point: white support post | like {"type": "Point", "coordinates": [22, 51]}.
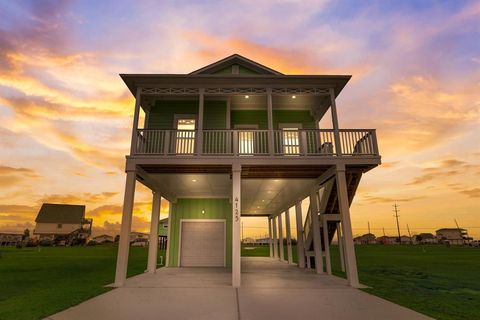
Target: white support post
{"type": "Point", "coordinates": [300, 244]}
{"type": "Point", "coordinates": [169, 230]}
{"type": "Point", "coordinates": [280, 238]}
{"type": "Point", "coordinates": [328, 262]}
{"type": "Point", "coordinates": [341, 252]}
{"type": "Point", "coordinates": [317, 241]}
{"type": "Point", "coordinates": [153, 241]}
{"type": "Point", "coordinates": [275, 239]}
{"type": "Point", "coordinates": [200, 121]}
{"type": "Point", "coordinates": [136, 114]}
{"type": "Point", "coordinates": [270, 121]}
{"type": "Point", "coordinates": [289, 237]}
{"type": "Point", "coordinates": [270, 244]}
{"type": "Point", "coordinates": [124, 241]}
{"type": "Point", "coordinates": [236, 214]}
{"type": "Point", "coordinates": [350, 259]}
{"type": "Point", "coordinates": [336, 132]}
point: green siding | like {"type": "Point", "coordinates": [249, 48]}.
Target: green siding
{"type": "Point", "coordinates": [224, 70]}
{"type": "Point", "coordinates": [242, 117]}
{"type": "Point", "coordinates": [259, 117]}
{"type": "Point", "coordinates": [192, 209]}
{"type": "Point", "coordinates": [293, 116]}
{"type": "Point", "coordinates": [215, 115]}
{"type": "Point", "coordinates": [245, 70]}
{"type": "Point", "coordinates": [162, 113]}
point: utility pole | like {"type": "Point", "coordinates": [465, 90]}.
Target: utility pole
{"type": "Point", "coordinates": [368, 226]}
{"type": "Point", "coordinates": [409, 234]}
{"type": "Point", "coordinates": [383, 231]}
{"type": "Point", "coordinates": [395, 209]}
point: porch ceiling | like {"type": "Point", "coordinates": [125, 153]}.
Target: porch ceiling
{"type": "Point", "coordinates": [259, 196]}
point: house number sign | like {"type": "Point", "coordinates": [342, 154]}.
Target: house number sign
{"type": "Point", "coordinates": [237, 218]}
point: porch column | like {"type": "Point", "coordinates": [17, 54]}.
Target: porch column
{"type": "Point", "coordinates": [336, 132]}
{"type": "Point", "coordinates": [153, 241]}
{"type": "Point", "coordinates": [124, 241]}
{"type": "Point", "coordinates": [326, 243]}
{"type": "Point", "coordinates": [280, 238]}
{"type": "Point", "coordinates": [275, 239]}
{"type": "Point", "coordinates": [136, 113]}
{"type": "Point", "coordinates": [317, 242]}
{"type": "Point", "coordinates": [270, 121]}
{"type": "Point", "coordinates": [300, 244]}
{"type": "Point", "coordinates": [340, 246]}
{"type": "Point", "coordinates": [236, 201]}
{"type": "Point", "coordinates": [200, 121]}
{"type": "Point", "coordinates": [344, 206]}
{"type": "Point", "coordinates": [169, 237]}
{"type": "Point", "coordinates": [289, 238]}
{"type": "Point", "coordinates": [270, 244]}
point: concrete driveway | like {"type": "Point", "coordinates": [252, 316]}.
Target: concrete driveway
{"type": "Point", "coordinates": [270, 290]}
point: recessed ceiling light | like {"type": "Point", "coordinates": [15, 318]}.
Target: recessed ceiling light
{"type": "Point", "coordinates": [246, 97]}
{"type": "Point", "coordinates": [263, 200]}
{"type": "Point", "coordinates": [258, 207]}
{"type": "Point", "coordinates": [293, 97]}
{"type": "Point", "coordinates": [194, 180]}
{"type": "Point", "coordinates": [276, 180]}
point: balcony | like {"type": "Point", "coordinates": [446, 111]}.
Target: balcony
{"type": "Point", "coordinates": [246, 142]}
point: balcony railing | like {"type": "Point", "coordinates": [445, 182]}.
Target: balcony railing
{"type": "Point", "coordinates": [246, 142]}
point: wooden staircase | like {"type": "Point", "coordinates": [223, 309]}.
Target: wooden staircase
{"type": "Point", "coordinates": [328, 209]}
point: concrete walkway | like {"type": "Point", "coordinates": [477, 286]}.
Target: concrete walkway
{"type": "Point", "coordinates": [270, 290]}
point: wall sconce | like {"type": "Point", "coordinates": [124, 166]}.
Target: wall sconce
{"type": "Point", "coordinates": [203, 211]}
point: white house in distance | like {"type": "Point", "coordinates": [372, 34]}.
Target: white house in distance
{"type": "Point", "coordinates": [236, 139]}
{"type": "Point", "coordinates": [457, 236]}
{"type": "Point", "coordinates": [62, 221]}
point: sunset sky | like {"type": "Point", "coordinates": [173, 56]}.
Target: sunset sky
{"type": "Point", "coordinates": [65, 114]}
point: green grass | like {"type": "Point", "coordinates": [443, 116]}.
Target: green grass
{"type": "Point", "coordinates": [441, 282]}
{"type": "Point", "coordinates": [435, 280]}
{"type": "Point", "coordinates": [36, 283]}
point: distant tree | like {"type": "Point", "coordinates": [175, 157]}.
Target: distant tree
{"type": "Point", "coordinates": [26, 234]}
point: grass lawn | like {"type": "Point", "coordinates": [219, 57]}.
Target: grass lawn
{"type": "Point", "coordinates": [441, 282]}
{"type": "Point", "coordinates": [36, 283]}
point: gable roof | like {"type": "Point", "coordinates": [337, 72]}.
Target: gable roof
{"type": "Point", "coordinates": [236, 59]}
{"type": "Point", "coordinates": [60, 213]}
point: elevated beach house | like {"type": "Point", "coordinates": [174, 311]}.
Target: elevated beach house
{"type": "Point", "coordinates": [236, 139]}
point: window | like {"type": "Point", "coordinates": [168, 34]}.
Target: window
{"type": "Point", "coordinates": [290, 138]}
{"type": "Point", "coordinates": [185, 136]}
{"type": "Point", "coordinates": [59, 226]}
{"type": "Point", "coordinates": [247, 137]}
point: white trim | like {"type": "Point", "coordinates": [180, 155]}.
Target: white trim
{"type": "Point", "coordinates": [188, 116]}
{"type": "Point", "coordinates": [203, 220]}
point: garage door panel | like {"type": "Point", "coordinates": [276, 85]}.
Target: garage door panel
{"type": "Point", "coordinates": [202, 244]}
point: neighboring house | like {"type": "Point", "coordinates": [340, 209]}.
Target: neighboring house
{"type": "Point", "coordinates": [104, 238]}
{"type": "Point", "coordinates": [425, 238]}
{"type": "Point", "coordinates": [236, 138]}
{"type": "Point", "coordinates": [387, 240]}
{"type": "Point", "coordinates": [163, 234]}
{"type": "Point", "coordinates": [248, 240]}
{"type": "Point", "coordinates": [63, 223]}
{"type": "Point", "coordinates": [405, 240]}
{"type": "Point", "coordinates": [138, 237]}
{"type": "Point", "coordinates": [368, 238]}
{"type": "Point", "coordinates": [456, 236]}
{"type": "Point", "coordinates": [263, 241]}
{"type": "Point", "coordinates": [10, 239]}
